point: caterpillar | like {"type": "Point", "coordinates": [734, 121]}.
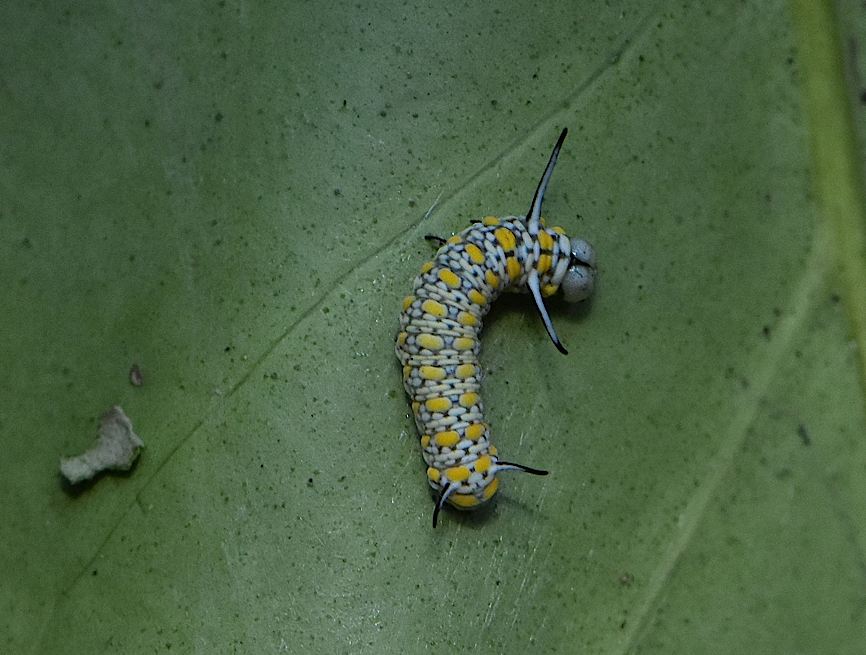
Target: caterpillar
{"type": "Point", "coordinates": [438, 342]}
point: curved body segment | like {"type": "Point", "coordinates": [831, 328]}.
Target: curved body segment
{"type": "Point", "coordinates": [438, 342]}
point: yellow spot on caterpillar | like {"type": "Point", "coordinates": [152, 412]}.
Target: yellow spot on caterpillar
{"type": "Point", "coordinates": [449, 277]}
{"type": "Point", "coordinates": [468, 399]}
{"type": "Point", "coordinates": [434, 308]}
{"type": "Point", "coordinates": [558, 230]}
{"type": "Point", "coordinates": [465, 318]}
{"type": "Point", "coordinates": [475, 431]}
{"type": "Point", "coordinates": [432, 372]}
{"type": "Point", "coordinates": [458, 473]}
{"type": "Point", "coordinates": [464, 343]}
{"type": "Point", "coordinates": [513, 267]}
{"type": "Point", "coordinates": [464, 501]}
{"type": "Point", "coordinates": [477, 297]}
{"type": "Point", "coordinates": [465, 371]}
{"type": "Point", "coordinates": [425, 441]}
{"type": "Point", "coordinates": [407, 371]}
{"type": "Point", "coordinates": [544, 263]}
{"type": "Point", "coordinates": [505, 237]}
{"type": "Point", "coordinates": [493, 450]}
{"type": "Point", "coordinates": [490, 220]}
{"type": "Point", "coordinates": [491, 278]}
{"type": "Point", "coordinates": [545, 240]}
{"type": "Point", "coordinates": [437, 404]}
{"type": "Point", "coordinates": [548, 290]}
{"type": "Point", "coordinates": [407, 302]}
{"type": "Point", "coordinates": [429, 341]}
{"type": "Point", "coordinates": [542, 220]}
{"type": "Point", "coordinates": [433, 474]}
{"type": "Point", "coordinates": [425, 267]}
{"type": "Point", "coordinates": [447, 439]}
{"type": "Point", "coordinates": [475, 253]}
{"type": "Point", "coordinates": [401, 338]}
{"type": "Point", "coordinates": [490, 489]}
{"type": "Point", "coordinates": [482, 464]}
{"type": "Point", "coordinates": [454, 240]}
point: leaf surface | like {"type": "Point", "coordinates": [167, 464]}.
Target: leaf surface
{"type": "Point", "coordinates": [234, 198]}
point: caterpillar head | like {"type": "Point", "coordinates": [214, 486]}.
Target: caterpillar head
{"type": "Point", "coordinates": [579, 281]}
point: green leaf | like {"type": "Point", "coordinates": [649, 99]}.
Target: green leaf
{"type": "Point", "coordinates": [233, 197]}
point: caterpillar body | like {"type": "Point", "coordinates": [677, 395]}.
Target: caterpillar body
{"type": "Point", "coordinates": [438, 342]}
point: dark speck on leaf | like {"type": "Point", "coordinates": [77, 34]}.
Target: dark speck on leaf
{"type": "Point", "coordinates": [218, 117]}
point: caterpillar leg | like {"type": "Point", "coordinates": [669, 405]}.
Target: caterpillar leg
{"type": "Point", "coordinates": [436, 239]}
